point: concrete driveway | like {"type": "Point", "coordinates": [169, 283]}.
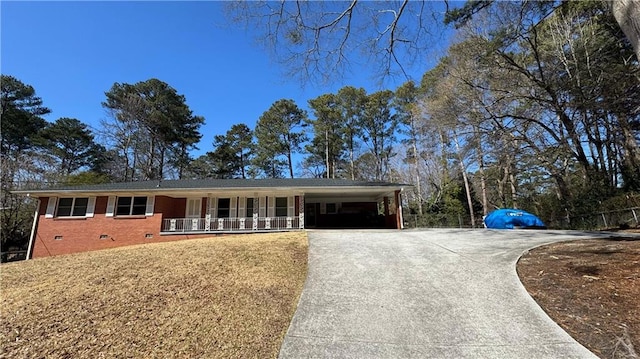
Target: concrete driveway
{"type": "Point", "coordinates": [423, 294]}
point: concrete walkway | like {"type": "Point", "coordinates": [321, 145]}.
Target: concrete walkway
{"type": "Point", "coordinates": [423, 294]}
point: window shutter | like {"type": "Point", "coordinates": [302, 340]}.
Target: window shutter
{"type": "Point", "coordinates": [242, 204]}
{"type": "Point", "coordinates": [214, 207]}
{"type": "Point", "coordinates": [292, 206]}
{"type": "Point", "coordinates": [262, 211]}
{"type": "Point", "coordinates": [233, 204]}
{"type": "Point", "coordinates": [91, 206]}
{"type": "Point", "coordinates": [111, 204]}
{"type": "Point", "coordinates": [272, 207]}
{"type": "Point", "coordinates": [150, 203]}
{"type": "Point", "coordinates": [51, 207]}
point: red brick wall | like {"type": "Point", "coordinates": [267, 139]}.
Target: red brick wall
{"type": "Point", "coordinates": [83, 234]}
{"type": "Point", "coordinates": [170, 207]}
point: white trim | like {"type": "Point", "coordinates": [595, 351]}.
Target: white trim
{"type": "Point", "coordinates": [242, 203]}
{"type": "Point", "coordinates": [213, 207]}
{"type": "Point", "coordinates": [291, 206]}
{"type": "Point", "coordinates": [150, 205]}
{"type": "Point", "coordinates": [34, 227]}
{"type": "Point", "coordinates": [233, 207]}
{"type": "Point", "coordinates": [262, 212]}
{"type": "Point", "coordinates": [111, 205]}
{"type": "Point", "coordinates": [271, 207]}
{"type": "Point", "coordinates": [400, 210]}
{"type": "Point", "coordinates": [91, 207]}
{"type": "Point", "coordinates": [51, 207]}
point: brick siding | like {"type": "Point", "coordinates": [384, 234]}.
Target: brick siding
{"type": "Point", "coordinates": [84, 234]}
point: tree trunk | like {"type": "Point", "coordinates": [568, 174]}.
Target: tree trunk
{"type": "Point", "coordinates": [627, 14]}
{"type": "Point", "coordinates": [326, 151]}
{"type": "Point", "coordinates": [467, 188]}
{"type": "Point", "coordinates": [160, 171]}
{"type": "Point", "coordinates": [351, 161]}
{"type": "Point", "coordinates": [631, 158]}
{"type": "Point", "coordinates": [514, 193]}
{"type": "Point", "coordinates": [483, 180]}
{"type": "Point", "coordinates": [418, 181]}
{"type": "Point", "coordinates": [242, 164]}
{"type": "Point", "coordinates": [150, 173]}
{"type": "Point", "coordinates": [290, 162]}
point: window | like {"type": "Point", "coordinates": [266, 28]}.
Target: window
{"type": "Point", "coordinates": [72, 207]}
{"type": "Point", "coordinates": [281, 206]}
{"type": "Point", "coordinates": [193, 207]}
{"type": "Point", "coordinates": [331, 208]}
{"type": "Point", "coordinates": [249, 207]}
{"type": "Point", "coordinates": [131, 206]}
{"type": "Point", "coordinates": [224, 205]}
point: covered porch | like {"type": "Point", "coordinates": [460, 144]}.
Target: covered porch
{"type": "Point", "coordinates": [241, 224]}
{"type": "Point", "coordinates": [279, 211]}
{"type": "Point", "coordinates": [233, 212]}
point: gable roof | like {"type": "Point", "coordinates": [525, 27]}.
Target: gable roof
{"type": "Point", "coordinates": [204, 185]}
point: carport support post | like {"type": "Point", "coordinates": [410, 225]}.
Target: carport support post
{"type": "Point", "coordinates": [399, 220]}
{"type": "Point", "coordinates": [34, 231]}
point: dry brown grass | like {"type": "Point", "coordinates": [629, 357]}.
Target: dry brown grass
{"type": "Point", "coordinates": [591, 288]}
{"type": "Point", "coordinates": [225, 297]}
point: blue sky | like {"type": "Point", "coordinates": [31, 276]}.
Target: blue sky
{"type": "Point", "coordinates": [72, 52]}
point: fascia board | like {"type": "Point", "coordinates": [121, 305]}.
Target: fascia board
{"type": "Point", "coordinates": [186, 192]}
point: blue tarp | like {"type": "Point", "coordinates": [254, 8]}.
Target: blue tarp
{"type": "Point", "coordinates": [509, 218]}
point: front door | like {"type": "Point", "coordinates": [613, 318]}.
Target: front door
{"type": "Point", "coordinates": [194, 206]}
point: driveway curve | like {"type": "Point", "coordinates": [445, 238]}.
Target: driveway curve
{"type": "Point", "coordinates": [438, 293]}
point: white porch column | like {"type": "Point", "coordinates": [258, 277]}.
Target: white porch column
{"type": "Point", "coordinates": [301, 211]}
{"type": "Point", "coordinates": [207, 216]}
{"type": "Point", "coordinates": [256, 208]}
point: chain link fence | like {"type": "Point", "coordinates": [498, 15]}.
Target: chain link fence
{"type": "Point", "coordinates": [622, 219]}
{"type": "Point", "coordinates": [617, 219]}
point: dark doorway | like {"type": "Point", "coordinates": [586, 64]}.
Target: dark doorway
{"type": "Point", "coordinates": [311, 214]}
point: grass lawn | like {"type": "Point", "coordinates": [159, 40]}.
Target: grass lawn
{"type": "Point", "coordinates": [224, 297]}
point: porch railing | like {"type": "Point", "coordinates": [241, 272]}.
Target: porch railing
{"type": "Point", "coordinates": [187, 225]}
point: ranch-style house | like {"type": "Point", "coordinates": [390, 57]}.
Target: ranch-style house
{"type": "Point", "coordinates": [83, 218]}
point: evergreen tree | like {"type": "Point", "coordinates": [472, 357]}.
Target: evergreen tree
{"type": "Point", "coordinates": [71, 143]}
{"type": "Point", "coordinates": [153, 128]}
{"type": "Point", "coordinates": [378, 126]}
{"type": "Point", "coordinates": [279, 135]}
{"type": "Point", "coordinates": [19, 128]}
{"type": "Point", "coordinates": [327, 144]}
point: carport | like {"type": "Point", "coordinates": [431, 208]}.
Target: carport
{"type": "Point", "coordinates": [373, 206]}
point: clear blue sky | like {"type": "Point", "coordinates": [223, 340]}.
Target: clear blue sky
{"type": "Point", "coordinates": [72, 52]}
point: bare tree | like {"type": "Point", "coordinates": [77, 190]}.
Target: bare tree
{"type": "Point", "coordinates": [317, 40]}
{"type": "Point", "coordinates": [322, 40]}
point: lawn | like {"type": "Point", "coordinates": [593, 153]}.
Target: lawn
{"type": "Point", "coordinates": [223, 297]}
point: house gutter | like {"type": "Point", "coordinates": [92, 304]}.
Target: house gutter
{"type": "Point", "coordinates": [195, 191]}
{"type": "Point", "coordinates": [32, 237]}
